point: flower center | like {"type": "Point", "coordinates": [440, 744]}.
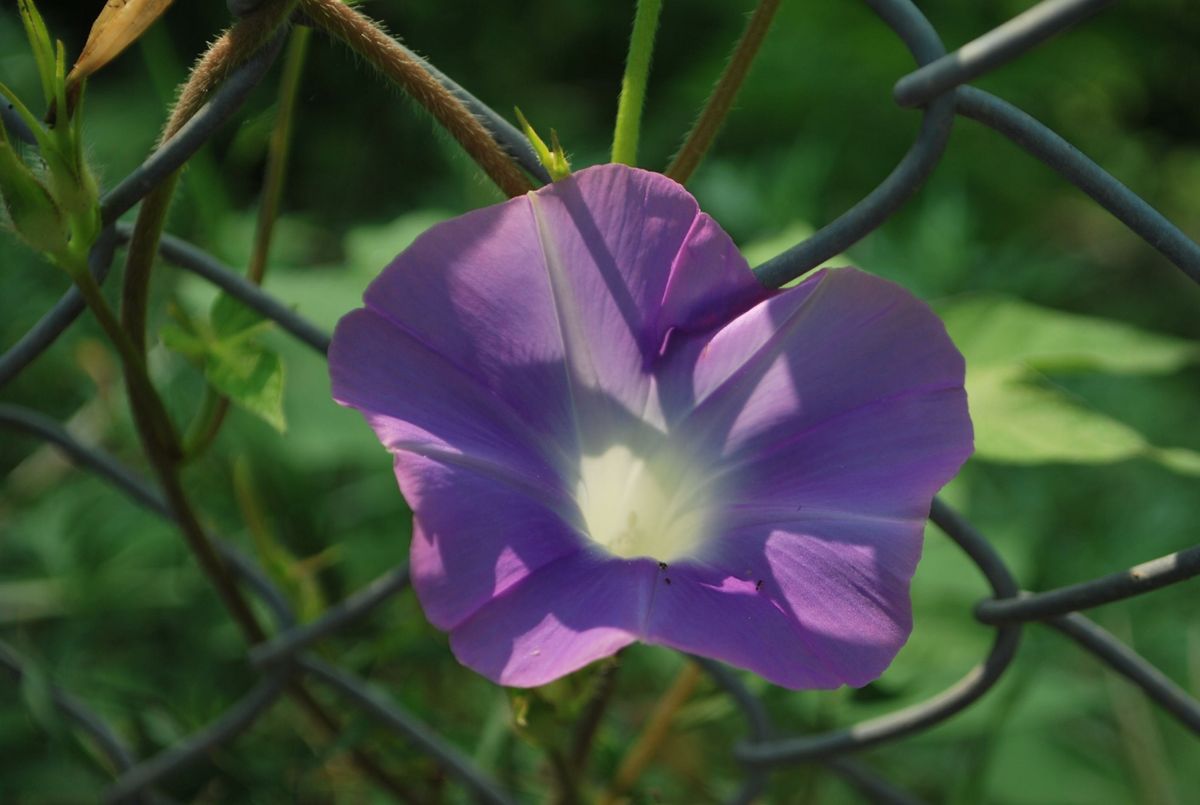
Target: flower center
{"type": "Point", "coordinates": [636, 506]}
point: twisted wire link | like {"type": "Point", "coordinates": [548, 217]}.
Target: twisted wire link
{"type": "Point", "coordinates": [938, 85]}
{"type": "Point", "coordinates": [1136, 580]}
{"type": "Point", "coordinates": [996, 47]}
{"type": "Point", "coordinates": [905, 179]}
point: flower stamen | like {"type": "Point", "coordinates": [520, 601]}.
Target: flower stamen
{"type": "Point", "coordinates": [636, 505]}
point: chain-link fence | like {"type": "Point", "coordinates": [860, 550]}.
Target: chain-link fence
{"type": "Point", "coordinates": [938, 88]}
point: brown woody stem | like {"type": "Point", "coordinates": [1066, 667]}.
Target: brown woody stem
{"type": "Point", "coordinates": [154, 427]}
{"type": "Point", "coordinates": [158, 435]}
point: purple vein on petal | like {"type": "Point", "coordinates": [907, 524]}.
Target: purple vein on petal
{"type": "Point", "coordinates": [730, 464]}
{"type": "Point", "coordinates": [653, 327]}
{"type": "Point", "coordinates": [506, 592]}
{"type": "Point", "coordinates": [539, 490]}
{"type": "Point", "coordinates": [644, 625]}
{"type": "Point", "coordinates": [574, 344]}
{"type": "Point", "coordinates": [752, 368]}
{"type": "Point", "coordinates": [756, 514]}
{"type": "Point", "coordinates": [851, 573]}
{"type": "Point", "coordinates": [549, 450]}
{"type": "Point", "coordinates": [794, 622]}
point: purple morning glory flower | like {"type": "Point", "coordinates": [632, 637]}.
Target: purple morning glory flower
{"type": "Point", "coordinates": [608, 431]}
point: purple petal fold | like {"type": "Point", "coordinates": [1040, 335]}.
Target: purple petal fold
{"type": "Point", "coordinates": [478, 530]}
{"type": "Point", "coordinates": [806, 600]}
{"type": "Point", "coordinates": [581, 608]}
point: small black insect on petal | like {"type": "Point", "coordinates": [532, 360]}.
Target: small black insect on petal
{"type": "Point", "coordinates": [668, 581]}
{"type": "Point", "coordinates": [758, 584]}
{"type": "Point", "coordinates": [662, 565]}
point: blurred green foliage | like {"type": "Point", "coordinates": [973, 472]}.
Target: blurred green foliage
{"type": "Point", "coordinates": [106, 601]}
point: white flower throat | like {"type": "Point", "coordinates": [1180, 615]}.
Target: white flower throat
{"type": "Point", "coordinates": [644, 506]}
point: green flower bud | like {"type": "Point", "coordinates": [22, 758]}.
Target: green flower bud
{"type": "Point", "coordinates": [32, 210]}
{"type": "Point", "coordinates": [552, 157]}
{"type": "Point", "coordinates": [72, 183]}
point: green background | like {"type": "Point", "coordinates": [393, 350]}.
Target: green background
{"type": "Point", "coordinates": [105, 600]}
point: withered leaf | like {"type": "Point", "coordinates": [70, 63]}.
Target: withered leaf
{"type": "Point", "coordinates": [119, 25]}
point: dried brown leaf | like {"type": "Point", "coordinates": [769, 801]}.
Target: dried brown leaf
{"type": "Point", "coordinates": [119, 25]}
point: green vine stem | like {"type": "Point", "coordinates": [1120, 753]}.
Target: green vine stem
{"type": "Point", "coordinates": [278, 150]}
{"type": "Point", "coordinates": [402, 67]}
{"type": "Point", "coordinates": [215, 407]}
{"type": "Point", "coordinates": [157, 433]}
{"type": "Point", "coordinates": [633, 85]}
{"type": "Point", "coordinates": [205, 424]}
{"type": "Point", "coordinates": [162, 448]}
{"type": "Point", "coordinates": [716, 108]}
{"type": "Point", "coordinates": [161, 444]}
{"type": "Point", "coordinates": [231, 49]}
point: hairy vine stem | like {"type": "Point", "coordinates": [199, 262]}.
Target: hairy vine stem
{"type": "Point", "coordinates": [716, 108]}
{"type": "Point", "coordinates": [404, 68]}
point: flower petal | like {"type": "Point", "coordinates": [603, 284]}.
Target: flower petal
{"type": "Point", "coordinates": [629, 257]}
{"type": "Point", "coordinates": [886, 458]}
{"type": "Point", "coordinates": [843, 392]}
{"type": "Point", "coordinates": [557, 303]}
{"type": "Point", "coordinates": [477, 531]}
{"type": "Point", "coordinates": [710, 282]}
{"type": "Point", "coordinates": [841, 339]}
{"type": "Point", "coordinates": [568, 614]}
{"type": "Point", "coordinates": [473, 291]}
{"type": "Point", "coordinates": [836, 410]}
{"type": "Point", "coordinates": [815, 602]}
{"type": "Point", "coordinates": [416, 399]}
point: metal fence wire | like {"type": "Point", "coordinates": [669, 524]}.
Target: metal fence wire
{"type": "Point", "coordinates": [938, 88]}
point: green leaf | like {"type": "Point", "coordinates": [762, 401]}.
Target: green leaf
{"type": "Point", "coordinates": [1008, 345]}
{"type": "Point", "coordinates": [235, 363]}
{"type": "Point", "coordinates": [232, 319]}
{"type": "Point", "coordinates": [189, 345]}
{"type": "Point", "coordinates": [249, 375]}
{"type": "Point", "coordinates": [41, 44]}
{"type": "Point", "coordinates": [32, 210]}
{"type": "Point", "coordinates": [993, 330]}
{"type": "Point", "coordinates": [1017, 422]}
